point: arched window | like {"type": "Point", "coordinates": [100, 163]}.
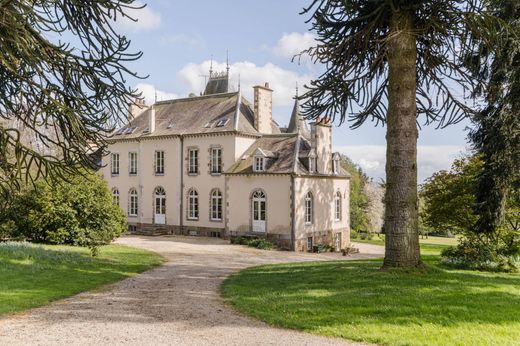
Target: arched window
{"type": "Point", "coordinates": [193, 205]}
{"type": "Point", "coordinates": [309, 204]}
{"type": "Point", "coordinates": [133, 202]}
{"type": "Point", "coordinates": [337, 206]}
{"type": "Point", "coordinates": [115, 196]}
{"type": "Point", "coordinates": [216, 205]}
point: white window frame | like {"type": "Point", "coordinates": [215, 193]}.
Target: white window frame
{"type": "Point", "coordinates": [114, 164]}
{"type": "Point", "coordinates": [115, 196]}
{"type": "Point", "coordinates": [132, 163]}
{"type": "Point", "coordinates": [159, 162]}
{"type": "Point", "coordinates": [258, 163]}
{"type": "Point", "coordinates": [216, 160]}
{"type": "Point", "coordinates": [133, 202]}
{"type": "Point", "coordinates": [193, 204]}
{"type": "Point", "coordinates": [337, 207]}
{"type": "Point", "coordinates": [309, 208]}
{"type": "Point", "coordinates": [216, 205]}
{"type": "Point", "coordinates": [193, 161]}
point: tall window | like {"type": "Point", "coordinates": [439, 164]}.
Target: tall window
{"type": "Point", "coordinates": [193, 161]}
{"type": "Point", "coordinates": [115, 196]}
{"type": "Point", "coordinates": [335, 166]}
{"type": "Point", "coordinates": [159, 162]}
{"type": "Point", "coordinates": [216, 205]}
{"type": "Point", "coordinates": [132, 163]}
{"type": "Point", "coordinates": [308, 208]}
{"type": "Point", "coordinates": [312, 165]}
{"type": "Point", "coordinates": [337, 206]}
{"type": "Point", "coordinates": [216, 160]}
{"type": "Point", "coordinates": [193, 205]}
{"type": "Point", "coordinates": [133, 202]}
{"type": "Point", "coordinates": [114, 164]}
{"type": "Point", "coordinates": [258, 163]}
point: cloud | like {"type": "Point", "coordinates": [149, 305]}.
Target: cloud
{"type": "Point", "coordinates": [430, 158]}
{"type": "Point", "coordinates": [149, 91]}
{"type": "Point", "coordinates": [282, 81]}
{"type": "Point", "coordinates": [147, 19]}
{"type": "Point", "coordinates": [293, 43]}
{"type": "Point", "coordinates": [182, 40]}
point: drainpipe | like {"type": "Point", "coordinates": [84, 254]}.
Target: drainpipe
{"type": "Point", "coordinates": [293, 216]}
{"type": "Point", "coordinates": [181, 206]}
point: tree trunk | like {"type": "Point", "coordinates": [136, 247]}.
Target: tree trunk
{"type": "Point", "coordinates": [401, 202]}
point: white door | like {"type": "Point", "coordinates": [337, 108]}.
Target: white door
{"type": "Point", "coordinates": [258, 210]}
{"type": "Point", "coordinates": [160, 206]}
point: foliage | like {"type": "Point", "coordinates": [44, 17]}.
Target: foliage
{"type": "Point", "coordinates": [34, 275]}
{"type": "Point", "coordinates": [63, 69]}
{"type": "Point", "coordinates": [358, 199]}
{"type": "Point", "coordinates": [77, 212]}
{"type": "Point", "coordinates": [448, 197]}
{"type": "Point", "coordinates": [259, 243]}
{"type": "Point", "coordinates": [354, 300]}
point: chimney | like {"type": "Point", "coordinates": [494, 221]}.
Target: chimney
{"type": "Point", "coordinates": [151, 120]}
{"type": "Point", "coordinates": [321, 142]}
{"type": "Point", "coordinates": [263, 108]}
{"type": "Point", "coordinates": [135, 108]}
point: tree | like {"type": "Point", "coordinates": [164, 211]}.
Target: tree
{"type": "Point", "coordinates": [67, 94]}
{"type": "Point", "coordinates": [496, 135]}
{"type": "Point", "coordinates": [392, 61]}
{"type": "Point", "coordinates": [358, 199]}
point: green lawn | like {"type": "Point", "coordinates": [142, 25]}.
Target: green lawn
{"type": "Point", "coordinates": [356, 301]}
{"type": "Point", "coordinates": [430, 246]}
{"type": "Point", "coordinates": [34, 275]}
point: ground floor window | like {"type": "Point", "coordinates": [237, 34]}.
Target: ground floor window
{"type": "Point", "coordinates": [337, 207]}
{"type": "Point", "coordinates": [193, 205]}
{"type": "Point", "coordinates": [309, 244]}
{"type": "Point", "coordinates": [216, 205]}
{"type": "Point", "coordinates": [308, 208]}
{"type": "Point", "coordinates": [337, 242]}
{"type": "Point", "coordinates": [115, 196]}
{"type": "Point", "coordinates": [133, 203]}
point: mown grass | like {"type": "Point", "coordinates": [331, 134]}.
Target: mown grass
{"type": "Point", "coordinates": [429, 246]}
{"type": "Point", "coordinates": [356, 301]}
{"type": "Point", "coordinates": [35, 275]}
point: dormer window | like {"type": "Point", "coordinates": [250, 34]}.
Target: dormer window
{"type": "Point", "coordinates": [312, 165]}
{"type": "Point", "coordinates": [258, 163]}
{"type": "Point", "coordinates": [335, 163]}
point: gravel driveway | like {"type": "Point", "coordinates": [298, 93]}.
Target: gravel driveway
{"type": "Point", "coordinates": [175, 304]}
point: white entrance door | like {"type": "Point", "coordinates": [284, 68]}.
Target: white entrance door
{"type": "Point", "coordinates": [160, 206]}
{"type": "Point", "coordinates": [258, 210]}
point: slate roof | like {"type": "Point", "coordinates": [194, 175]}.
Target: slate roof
{"type": "Point", "coordinates": [297, 124]}
{"type": "Point", "coordinates": [193, 115]}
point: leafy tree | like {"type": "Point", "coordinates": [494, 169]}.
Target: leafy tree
{"type": "Point", "coordinates": [392, 61]}
{"type": "Point", "coordinates": [497, 128]}
{"type": "Point", "coordinates": [358, 199]}
{"type": "Point", "coordinates": [63, 72]}
{"type": "Point", "coordinates": [79, 213]}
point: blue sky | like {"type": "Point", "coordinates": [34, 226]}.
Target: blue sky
{"type": "Point", "coordinates": [178, 37]}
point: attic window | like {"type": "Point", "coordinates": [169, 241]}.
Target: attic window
{"type": "Point", "coordinates": [120, 131]}
{"type": "Point", "coordinates": [130, 130]}
{"type": "Point", "coordinates": [146, 130]}
{"type": "Point", "coordinates": [221, 122]}
{"type": "Point", "coordinates": [312, 165]}
{"type": "Point", "coordinates": [258, 163]}
{"type": "Point", "coordinates": [170, 125]}
{"type": "Point", "coordinates": [208, 125]}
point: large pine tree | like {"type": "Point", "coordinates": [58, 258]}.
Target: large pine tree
{"type": "Point", "coordinates": [394, 62]}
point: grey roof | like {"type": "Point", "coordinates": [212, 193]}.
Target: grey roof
{"type": "Point", "coordinates": [217, 84]}
{"type": "Point", "coordinates": [297, 124]}
{"type": "Point", "coordinates": [193, 115]}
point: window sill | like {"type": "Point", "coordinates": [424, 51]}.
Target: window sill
{"type": "Point", "coordinates": [215, 174]}
{"type": "Point", "coordinates": [192, 174]}
{"type": "Point", "coordinates": [159, 174]}
{"type": "Point", "coordinates": [308, 223]}
{"type": "Point", "coordinates": [114, 175]}
{"type": "Point", "coordinates": [337, 220]}
{"type": "Point", "coordinates": [215, 220]}
{"type": "Point", "coordinates": [193, 219]}
{"type": "Point", "coordinates": [131, 215]}
{"type": "Point", "coordinates": [132, 174]}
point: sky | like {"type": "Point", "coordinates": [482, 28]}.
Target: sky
{"type": "Point", "coordinates": [179, 39]}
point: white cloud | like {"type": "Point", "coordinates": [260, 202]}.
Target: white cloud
{"type": "Point", "coordinates": [293, 43]}
{"type": "Point", "coordinates": [147, 19]}
{"type": "Point", "coordinates": [282, 81]}
{"type": "Point", "coordinates": [183, 40]}
{"type": "Point", "coordinates": [149, 91]}
{"type": "Point", "coordinates": [430, 158]}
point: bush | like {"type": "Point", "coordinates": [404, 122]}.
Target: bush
{"type": "Point", "coordinates": [78, 212]}
{"type": "Point", "coordinates": [262, 244]}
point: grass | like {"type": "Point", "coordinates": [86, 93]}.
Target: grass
{"type": "Point", "coordinates": [356, 301]}
{"type": "Point", "coordinates": [35, 275]}
{"type": "Point", "coordinates": [429, 246]}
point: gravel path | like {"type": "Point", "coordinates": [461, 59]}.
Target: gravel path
{"type": "Point", "coordinates": [174, 304]}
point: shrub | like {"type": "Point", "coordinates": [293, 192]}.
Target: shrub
{"type": "Point", "coordinates": [240, 241]}
{"type": "Point", "coordinates": [78, 212]}
{"type": "Point", "coordinates": [262, 244]}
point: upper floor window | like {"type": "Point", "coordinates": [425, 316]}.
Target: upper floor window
{"type": "Point", "coordinates": [114, 163]}
{"type": "Point", "coordinates": [115, 196]}
{"type": "Point", "coordinates": [132, 163]}
{"type": "Point", "coordinates": [193, 205]}
{"type": "Point", "coordinates": [216, 205]}
{"type": "Point", "coordinates": [133, 202]}
{"type": "Point", "coordinates": [159, 162]}
{"type": "Point", "coordinates": [309, 205]}
{"type": "Point", "coordinates": [337, 206]}
{"type": "Point", "coordinates": [312, 165]}
{"type": "Point", "coordinates": [216, 160]}
{"type": "Point", "coordinates": [258, 164]}
{"type": "Point", "coordinates": [335, 163]}
{"type": "Point", "coordinates": [193, 161]}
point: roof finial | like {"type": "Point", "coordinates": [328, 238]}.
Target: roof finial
{"type": "Point", "coordinates": [155, 91]}
{"type": "Point", "coordinates": [211, 66]}
{"type": "Point", "coordinates": [296, 89]}
{"type": "Point", "coordinates": [227, 61]}
{"type": "Point", "coordinates": [239, 82]}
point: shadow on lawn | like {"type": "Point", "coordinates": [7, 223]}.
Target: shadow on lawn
{"type": "Point", "coordinates": [317, 295]}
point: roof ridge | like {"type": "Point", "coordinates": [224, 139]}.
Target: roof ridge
{"type": "Point", "coordinates": [183, 99]}
{"type": "Point", "coordinates": [237, 110]}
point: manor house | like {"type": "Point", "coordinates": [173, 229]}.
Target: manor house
{"type": "Point", "coordinates": [217, 165]}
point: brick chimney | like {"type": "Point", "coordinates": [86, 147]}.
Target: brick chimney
{"type": "Point", "coordinates": [263, 108]}
{"type": "Point", "coordinates": [321, 142]}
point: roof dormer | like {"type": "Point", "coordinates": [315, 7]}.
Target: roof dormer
{"type": "Point", "coordinates": [259, 159]}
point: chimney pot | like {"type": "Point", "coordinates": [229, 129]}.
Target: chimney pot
{"type": "Point", "coordinates": [266, 85]}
